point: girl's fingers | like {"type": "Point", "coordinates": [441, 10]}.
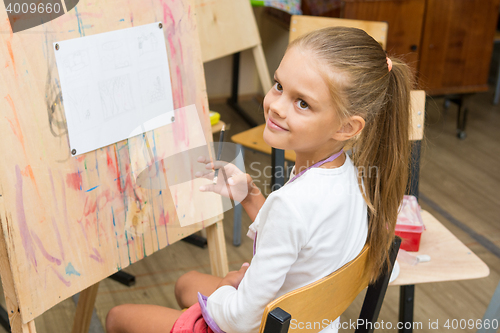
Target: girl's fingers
{"type": "Point", "coordinates": [216, 165]}
{"type": "Point", "coordinates": [237, 179]}
{"type": "Point", "coordinates": [203, 159]}
{"type": "Point", "coordinates": [204, 174]}
{"type": "Point", "coordinates": [207, 188]}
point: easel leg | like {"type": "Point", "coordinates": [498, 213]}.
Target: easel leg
{"type": "Point", "coordinates": [16, 324]}
{"type": "Point", "coordinates": [84, 309]}
{"type": "Point", "coordinates": [261, 64]}
{"type": "Point", "coordinates": [217, 249]}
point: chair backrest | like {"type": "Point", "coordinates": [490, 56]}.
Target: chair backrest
{"type": "Point", "coordinates": [302, 24]}
{"type": "Point", "coordinates": [321, 302]}
{"type": "Point", "coordinates": [326, 298]}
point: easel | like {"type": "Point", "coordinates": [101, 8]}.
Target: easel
{"type": "Point", "coordinates": [229, 27]}
{"type": "Point", "coordinates": [44, 232]}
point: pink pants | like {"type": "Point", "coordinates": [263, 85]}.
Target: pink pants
{"type": "Point", "coordinates": [191, 321]}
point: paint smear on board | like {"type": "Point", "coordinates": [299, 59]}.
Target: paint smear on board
{"type": "Point", "coordinates": [164, 218]}
{"type": "Point", "coordinates": [21, 221]}
{"type": "Point", "coordinates": [74, 181]}
{"type": "Point", "coordinates": [47, 256]}
{"type": "Point", "coordinates": [9, 48]}
{"type": "Point", "coordinates": [53, 190]}
{"type": "Point", "coordinates": [58, 236]}
{"type": "Point", "coordinates": [65, 209]}
{"type": "Point", "coordinates": [63, 280]}
{"type": "Point", "coordinates": [97, 256]}
{"type": "Point", "coordinates": [91, 206]}
{"type": "Point", "coordinates": [80, 24]}
{"type": "Point", "coordinates": [169, 23]}
{"type": "Point", "coordinates": [71, 270]}
{"type": "Point", "coordinates": [180, 49]}
{"type": "Point", "coordinates": [16, 128]}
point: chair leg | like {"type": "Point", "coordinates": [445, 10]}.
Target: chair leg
{"type": "Point", "coordinates": [496, 97]}
{"type": "Point", "coordinates": [492, 313]}
{"type": "Point", "coordinates": [461, 119]}
{"type": "Point", "coordinates": [406, 301]}
{"type": "Point", "coordinates": [375, 295]}
{"type": "Point", "coordinates": [238, 209]}
{"type": "Point", "coordinates": [278, 169]}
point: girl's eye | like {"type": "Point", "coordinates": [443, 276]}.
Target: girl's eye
{"type": "Point", "coordinates": [303, 105]}
{"type": "Point", "coordinates": [278, 86]}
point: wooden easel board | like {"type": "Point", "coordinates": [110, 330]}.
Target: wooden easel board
{"type": "Point", "coordinates": [68, 222]}
{"type": "Point", "coordinates": [225, 27]}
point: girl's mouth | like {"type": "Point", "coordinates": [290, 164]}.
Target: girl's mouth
{"type": "Point", "coordinates": [272, 125]}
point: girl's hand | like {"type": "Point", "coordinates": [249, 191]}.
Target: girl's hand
{"type": "Point", "coordinates": [240, 184]}
{"type": "Point", "coordinates": [234, 278]}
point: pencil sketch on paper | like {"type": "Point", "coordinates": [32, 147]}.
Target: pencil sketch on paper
{"type": "Point", "coordinates": [116, 96]}
{"type": "Point", "coordinates": [79, 101]}
{"type": "Point", "coordinates": [106, 79]}
{"type": "Point", "coordinates": [114, 54]}
{"type": "Point", "coordinates": [153, 85]}
{"type": "Point", "coordinates": [147, 43]}
{"type": "Point", "coordinates": [76, 61]}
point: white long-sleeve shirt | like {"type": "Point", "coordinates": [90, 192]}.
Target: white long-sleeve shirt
{"type": "Point", "coordinates": [305, 230]}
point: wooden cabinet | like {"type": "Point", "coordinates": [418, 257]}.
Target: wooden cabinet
{"type": "Point", "coordinates": [448, 42]}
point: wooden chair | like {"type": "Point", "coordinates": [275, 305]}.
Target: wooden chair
{"type": "Point", "coordinates": [253, 138]}
{"type": "Point", "coordinates": [323, 301]}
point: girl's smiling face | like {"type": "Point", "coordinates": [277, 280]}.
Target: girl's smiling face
{"type": "Point", "coordinates": [299, 110]}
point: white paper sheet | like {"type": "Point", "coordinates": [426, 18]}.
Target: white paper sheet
{"type": "Point", "coordinates": [113, 83]}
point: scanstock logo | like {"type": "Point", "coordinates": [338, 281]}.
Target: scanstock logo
{"type": "Point", "coordinates": [26, 14]}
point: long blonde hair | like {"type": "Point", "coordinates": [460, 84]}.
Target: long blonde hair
{"type": "Point", "coordinates": [361, 84]}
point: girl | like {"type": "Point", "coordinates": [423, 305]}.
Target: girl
{"type": "Point", "coordinates": [334, 87]}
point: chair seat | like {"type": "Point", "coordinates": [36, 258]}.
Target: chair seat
{"type": "Point", "coordinates": [253, 139]}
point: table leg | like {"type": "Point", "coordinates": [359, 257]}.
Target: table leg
{"type": "Point", "coordinates": [278, 168]}
{"type": "Point", "coordinates": [406, 299]}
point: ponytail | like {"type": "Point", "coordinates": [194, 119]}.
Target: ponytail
{"type": "Point", "coordinates": [384, 143]}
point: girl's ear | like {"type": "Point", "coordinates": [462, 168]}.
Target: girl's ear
{"type": "Point", "coordinates": [352, 126]}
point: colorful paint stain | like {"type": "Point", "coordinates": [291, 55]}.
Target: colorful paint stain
{"type": "Point", "coordinates": [26, 239]}
{"type": "Point", "coordinates": [15, 126]}
{"type": "Point", "coordinates": [9, 49]}
{"type": "Point", "coordinates": [80, 24]}
{"type": "Point", "coordinates": [74, 181]}
{"type": "Point", "coordinates": [44, 252]}
{"type": "Point", "coordinates": [164, 218]}
{"type": "Point", "coordinates": [96, 256]}
{"type": "Point", "coordinates": [63, 280]}
{"type": "Point", "coordinates": [71, 270]}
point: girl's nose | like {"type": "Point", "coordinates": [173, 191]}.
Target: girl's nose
{"type": "Point", "coordinates": [278, 107]}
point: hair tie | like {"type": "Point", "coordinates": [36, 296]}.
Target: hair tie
{"type": "Point", "coordinates": [389, 63]}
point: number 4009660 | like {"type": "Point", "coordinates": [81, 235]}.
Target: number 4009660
{"type": "Point", "coordinates": [26, 7]}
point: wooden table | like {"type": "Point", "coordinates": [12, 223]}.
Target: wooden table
{"type": "Point", "coordinates": [450, 260]}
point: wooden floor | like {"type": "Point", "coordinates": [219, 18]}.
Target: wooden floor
{"type": "Point", "coordinates": [461, 178]}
